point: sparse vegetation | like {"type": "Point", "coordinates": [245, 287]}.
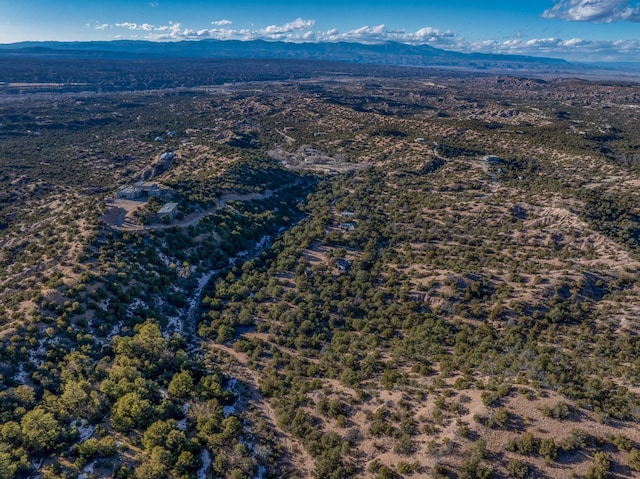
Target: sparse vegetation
{"type": "Point", "coordinates": [336, 299]}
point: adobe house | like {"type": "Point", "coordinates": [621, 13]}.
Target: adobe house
{"type": "Point", "coordinates": [140, 189]}
{"type": "Point", "coordinates": [170, 210]}
{"type": "Point", "coordinates": [128, 193]}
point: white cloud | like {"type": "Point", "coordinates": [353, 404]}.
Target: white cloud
{"type": "Point", "coordinates": [221, 23]}
{"type": "Point", "coordinates": [224, 34]}
{"type": "Point", "coordinates": [598, 11]}
{"type": "Point", "coordinates": [279, 30]}
{"type": "Point", "coordinates": [575, 42]}
{"type": "Point", "coordinates": [101, 26]}
{"type": "Point", "coordinates": [366, 34]}
{"type": "Point", "coordinates": [154, 4]}
{"type": "Point", "coordinates": [173, 31]}
{"type": "Point", "coordinates": [135, 26]}
{"type": "Point", "coordinates": [432, 36]}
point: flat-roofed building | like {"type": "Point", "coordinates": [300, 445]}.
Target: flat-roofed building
{"type": "Point", "coordinates": [128, 193]}
{"type": "Point", "coordinates": [141, 189]}
{"type": "Point", "coordinates": [170, 210]}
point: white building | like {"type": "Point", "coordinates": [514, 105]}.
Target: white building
{"type": "Point", "coordinates": [170, 210]}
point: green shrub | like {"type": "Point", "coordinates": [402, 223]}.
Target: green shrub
{"type": "Point", "coordinates": [518, 469]}
{"type": "Point", "coordinates": [634, 459]}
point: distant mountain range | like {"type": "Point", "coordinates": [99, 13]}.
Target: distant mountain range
{"type": "Point", "coordinates": [390, 53]}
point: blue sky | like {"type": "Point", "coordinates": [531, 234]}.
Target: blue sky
{"type": "Point", "coordinates": [579, 30]}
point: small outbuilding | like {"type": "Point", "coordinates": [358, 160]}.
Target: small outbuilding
{"type": "Point", "coordinates": [343, 264]}
{"type": "Point", "coordinates": [348, 226]}
{"type": "Point", "coordinates": [168, 156]}
{"type": "Point", "coordinates": [169, 210]}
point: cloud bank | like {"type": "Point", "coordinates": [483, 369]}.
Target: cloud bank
{"type": "Point", "coordinates": [302, 30]}
{"type": "Point", "coordinates": [573, 48]}
{"type": "Point", "coordinates": [597, 11]}
{"type": "Point", "coordinates": [298, 30]}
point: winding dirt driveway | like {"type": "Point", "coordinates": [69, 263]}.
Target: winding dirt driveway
{"type": "Point", "coordinates": [118, 212]}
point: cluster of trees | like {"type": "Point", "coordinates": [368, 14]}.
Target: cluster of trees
{"type": "Point", "coordinates": [93, 375]}
{"type": "Point", "coordinates": [364, 326]}
{"type": "Point", "coordinates": [148, 387]}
